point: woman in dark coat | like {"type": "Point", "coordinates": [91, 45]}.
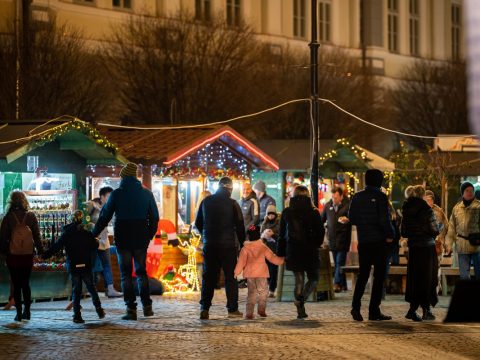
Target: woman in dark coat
{"type": "Point", "coordinates": [20, 265]}
{"type": "Point", "coordinates": [301, 236]}
{"type": "Point", "coordinates": [420, 227]}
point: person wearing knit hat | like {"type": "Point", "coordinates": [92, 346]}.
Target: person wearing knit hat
{"type": "Point", "coordinates": [369, 212]}
{"type": "Point", "coordinates": [264, 200]}
{"type": "Point", "coordinates": [129, 170]}
{"type": "Point", "coordinates": [464, 232]}
{"type": "Point", "coordinates": [134, 227]}
{"type": "Point", "coordinates": [270, 231]}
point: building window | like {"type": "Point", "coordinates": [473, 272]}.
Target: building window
{"type": "Point", "coordinates": [393, 25]}
{"type": "Point", "coordinates": [325, 22]}
{"type": "Point", "coordinates": [123, 4]}
{"type": "Point", "coordinates": [233, 12]}
{"type": "Point", "coordinates": [203, 10]}
{"type": "Point", "coordinates": [456, 25]}
{"type": "Point", "coordinates": [414, 23]}
{"type": "Point", "coordinates": [299, 18]}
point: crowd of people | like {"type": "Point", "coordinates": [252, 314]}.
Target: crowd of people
{"type": "Point", "coordinates": [250, 239]}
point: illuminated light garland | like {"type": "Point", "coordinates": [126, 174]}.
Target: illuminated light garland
{"type": "Point", "coordinates": [345, 143]}
{"type": "Point", "coordinates": [80, 126]}
{"type": "Point", "coordinates": [388, 175]}
{"type": "Point", "coordinates": [351, 190]}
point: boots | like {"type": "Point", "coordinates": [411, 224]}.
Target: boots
{"type": "Point", "coordinates": [147, 310]}
{"type": "Point", "coordinates": [131, 314]}
{"type": "Point", "coordinates": [100, 312]}
{"type": "Point", "coordinates": [77, 318]}
{"type": "Point", "coordinates": [18, 317]}
{"type": "Point", "coordinates": [26, 313]}
{"type": "Point", "coordinates": [301, 314]}
{"type": "Point", "coordinates": [427, 314]}
{"type": "Point", "coordinates": [412, 315]}
{"type": "Point", "coordinates": [110, 292]}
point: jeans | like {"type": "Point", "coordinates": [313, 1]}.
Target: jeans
{"type": "Point", "coordinates": [126, 259]}
{"type": "Point", "coordinates": [214, 259]}
{"type": "Point", "coordinates": [87, 278]}
{"type": "Point", "coordinates": [370, 255]}
{"type": "Point", "coordinates": [104, 256]}
{"type": "Point", "coordinates": [464, 261]}
{"type": "Point", "coordinates": [340, 258]}
{"type": "Point", "coordinates": [257, 293]}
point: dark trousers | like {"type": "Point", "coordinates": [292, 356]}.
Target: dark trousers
{"type": "Point", "coordinates": [20, 277]}
{"type": "Point", "coordinates": [272, 281]}
{"type": "Point", "coordinates": [214, 259]}
{"type": "Point", "coordinates": [376, 256]}
{"type": "Point", "coordinates": [302, 290]}
{"type": "Point", "coordinates": [126, 259]}
{"type": "Point", "coordinates": [77, 279]}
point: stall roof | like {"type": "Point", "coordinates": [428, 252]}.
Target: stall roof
{"type": "Point", "coordinates": [21, 137]}
{"type": "Point", "coordinates": [295, 155]}
{"type": "Point", "coordinates": [164, 147]}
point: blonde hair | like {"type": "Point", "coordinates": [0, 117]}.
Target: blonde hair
{"type": "Point", "coordinates": [201, 197]}
{"type": "Point", "coordinates": [408, 191]}
{"type": "Point", "coordinates": [417, 191]}
{"type": "Point", "coordinates": [17, 199]}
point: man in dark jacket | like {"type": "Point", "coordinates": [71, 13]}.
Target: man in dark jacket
{"type": "Point", "coordinates": [219, 220]}
{"type": "Point", "coordinates": [264, 200]}
{"type": "Point", "coordinates": [335, 214]}
{"type": "Point", "coordinates": [370, 214]}
{"type": "Point", "coordinates": [136, 220]}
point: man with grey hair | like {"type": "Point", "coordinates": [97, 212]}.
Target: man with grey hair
{"type": "Point", "coordinates": [220, 221]}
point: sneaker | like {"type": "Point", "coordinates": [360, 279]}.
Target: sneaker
{"type": "Point", "coordinates": [131, 314]}
{"type": "Point", "coordinates": [100, 312]}
{"type": "Point", "coordinates": [147, 310]}
{"type": "Point", "coordinates": [204, 315]}
{"type": "Point", "coordinates": [77, 319]}
{"type": "Point", "coordinates": [379, 317]}
{"type": "Point", "coordinates": [235, 314]}
{"type": "Point", "coordinates": [357, 316]}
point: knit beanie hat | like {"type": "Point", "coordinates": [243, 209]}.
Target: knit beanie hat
{"type": "Point", "coordinates": [465, 185]}
{"type": "Point", "coordinates": [260, 186]}
{"type": "Point", "coordinates": [373, 177]}
{"type": "Point", "coordinates": [271, 209]}
{"type": "Point", "coordinates": [129, 170]}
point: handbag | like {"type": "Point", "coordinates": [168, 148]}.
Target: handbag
{"type": "Point", "coordinates": [474, 239]}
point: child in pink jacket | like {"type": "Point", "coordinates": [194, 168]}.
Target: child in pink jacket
{"type": "Point", "coordinates": [255, 270]}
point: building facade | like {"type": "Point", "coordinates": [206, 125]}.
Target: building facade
{"type": "Point", "coordinates": [386, 35]}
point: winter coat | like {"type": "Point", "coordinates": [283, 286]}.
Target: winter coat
{"type": "Point", "coordinates": [79, 245]}
{"type": "Point", "coordinates": [93, 210]}
{"type": "Point", "coordinates": [252, 260]}
{"type": "Point", "coordinates": [220, 221]}
{"type": "Point", "coordinates": [369, 212]}
{"type": "Point", "coordinates": [250, 210]}
{"type": "Point", "coordinates": [301, 235]}
{"type": "Point", "coordinates": [8, 223]}
{"type": "Point", "coordinates": [464, 221]}
{"type": "Point", "coordinates": [419, 224]}
{"type": "Point", "coordinates": [264, 203]}
{"type": "Point", "coordinates": [275, 227]}
{"type": "Point", "coordinates": [136, 215]}
{"type": "Point", "coordinates": [339, 235]}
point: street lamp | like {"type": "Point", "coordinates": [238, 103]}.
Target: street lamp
{"type": "Point", "coordinates": [315, 123]}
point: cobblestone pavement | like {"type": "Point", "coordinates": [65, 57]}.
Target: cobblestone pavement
{"type": "Point", "coordinates": [175, 332]}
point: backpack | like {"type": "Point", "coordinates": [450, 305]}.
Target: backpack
{"type": "Point", "coordinates": [21, 242]}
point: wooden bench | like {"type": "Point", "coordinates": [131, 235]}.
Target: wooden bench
{"type": "Point", "coordinates": [448, 272]}
{"type": "Point", "coordinates": [395, 270]}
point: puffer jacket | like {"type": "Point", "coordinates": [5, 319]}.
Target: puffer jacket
{"type": "Point", "coordinates": [220, 221]}
{"type": "Point", "coordinates": [250, 210]}
{"type": "Point", "coordinates": [369, 212]}
{"type": "Point", "coordinates": [252, 260]}
{"type": "Point", "coordinates": [301, 235]}
{"type": "Point", "coordinates": [419, 224]}
{"type": "Point", "coordinates": [464, 221]}
{"type": "Point", "coordinates": [136, 215]}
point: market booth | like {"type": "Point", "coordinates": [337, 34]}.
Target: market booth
{"type": "Point", "coordinates": [48, 162]}
{"type": "Point", "coordinates": [178, 165]}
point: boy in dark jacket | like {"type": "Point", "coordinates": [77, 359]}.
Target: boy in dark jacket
{"type": "Point", "coordinates": [79, 245]}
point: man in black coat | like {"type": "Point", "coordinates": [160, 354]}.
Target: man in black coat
{"type": "Point", "coordinates": [335, 214]}
{"type": "Point", "coordinates": [220, 221]}
{"type": "Point", "coordinates": [370, 214]}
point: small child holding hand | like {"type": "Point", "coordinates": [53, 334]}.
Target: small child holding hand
{"type": "Point", "coordinates": [255, 270]}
